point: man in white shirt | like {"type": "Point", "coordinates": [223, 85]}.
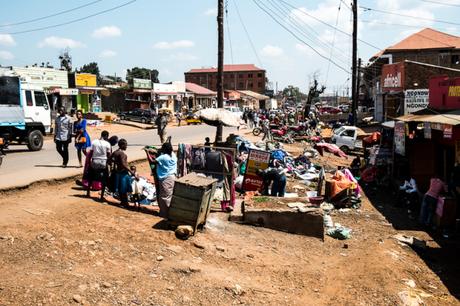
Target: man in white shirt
{"type": "Point", "coordinates": [101, 151]}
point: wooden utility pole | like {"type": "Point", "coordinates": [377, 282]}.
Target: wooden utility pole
{"type": "Point", "coordinates": [354, 74]}
{"type": "Point", "coordinates": [358, 83]}
{"type": "Point", "coordinates": [220, 64]}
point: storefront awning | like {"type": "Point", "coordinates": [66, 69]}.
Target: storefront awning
{"type": "Point", "coordinates": [448, 118]}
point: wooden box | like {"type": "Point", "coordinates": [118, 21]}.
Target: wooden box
{"type": "Point", "coordinates": [191, 200]}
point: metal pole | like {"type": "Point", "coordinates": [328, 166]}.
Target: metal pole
{"type": "Point", "coordinates": [354, 97]}
{"type": "Point", "coordinates": [220, 64]}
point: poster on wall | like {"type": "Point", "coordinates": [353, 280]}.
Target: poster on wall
{"type": "Point", "coordinates": [447, 131]}
{"type": "Point", "coordinates": [256, 160]}
{"type": "Point", "coordinates": [427, 130]}
{"type": "Point", "coordinates": [400, 138]}
{"type": "Point", "coordinates": [415, 100]}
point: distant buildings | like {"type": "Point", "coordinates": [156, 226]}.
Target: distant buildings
{"type": "Point", "coordinates": [236, 77]}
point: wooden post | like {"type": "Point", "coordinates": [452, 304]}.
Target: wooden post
{"type": "Point", "coordinates": [220, 64]}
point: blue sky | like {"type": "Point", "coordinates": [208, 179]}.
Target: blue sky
{"type": "Point", "coordinates": [176, 35]}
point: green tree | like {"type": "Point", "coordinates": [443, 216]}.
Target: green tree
{"type": "Point", "coordinates": [142, 73]}
{"type": "Point", "coordinates": [91, 68]}
{"type": "Point", "coordinates": [293, 93]}
{"type": "Point", "coordinates": [313, 94]}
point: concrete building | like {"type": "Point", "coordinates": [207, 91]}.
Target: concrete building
{"type": "Point", "coordinates": [236, 77]}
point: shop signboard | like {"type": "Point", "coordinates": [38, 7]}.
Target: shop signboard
{"type": "Point", "coordinates": [400, 138]}
{"type": "Point", "coordinates": [85, 79]}
{"type": "Point", "coordinates": [427, 130]}
{"type": "Point", "coordinates": [415, 99]}
{"type": "Point", "coordinates": [257, 159]}
{"type": "Point", "coordinates": [444, 93]}
{"type": "Point", "coordinates": [393, 77]}
{"type": "Point", "coordinates": [43, 77]}
{"type": "Point", "coordinates": [68, 91]}
{"type": "Point", "coordinates": [447, 131]}
{"type": "Point", "coordinates": [142, 83]}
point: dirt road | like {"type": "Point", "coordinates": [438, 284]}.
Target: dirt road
{"type": "Point", "coordinates": [58, 248]}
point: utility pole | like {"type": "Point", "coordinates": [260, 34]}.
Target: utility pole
{"type": "Point", "coordinates": [220, 64]}
{"type": "Point", "coordinates": [354, 73]}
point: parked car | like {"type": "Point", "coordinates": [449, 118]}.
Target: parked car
{"type": "Point", "coordinates": [236, 110]}
{"type": "Point", "coordinates": [139, 115]}
{"type": "Point", "coordinates": [345, 108]}
{"type": "Point", "coordinates": [329, 110]}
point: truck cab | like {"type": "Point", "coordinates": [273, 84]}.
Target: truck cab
{"type": "Point", "coordinates": [346, 138]}
{"type": "Point", "coordinates": [25, 115]}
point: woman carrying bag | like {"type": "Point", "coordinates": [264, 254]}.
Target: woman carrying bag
{"type": "Point", "coordinates": [82, 140]}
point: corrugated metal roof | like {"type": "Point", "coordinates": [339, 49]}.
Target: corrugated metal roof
{"type": "Point", "coordinates": [199, 90]}
{"type": "Point", "coordinates": [253, 94]}
{"type": "Point", "coordinates": [448, 118]}
{"type": "Point", "coordinates": [227, 68]}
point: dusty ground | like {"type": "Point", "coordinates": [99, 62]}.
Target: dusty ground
{"type": "Point", "coordinates": [58, 248]}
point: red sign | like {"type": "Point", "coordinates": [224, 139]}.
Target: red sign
{"type": "Point", "coordinates": [256, 160]}
{"type": "Point", "coordinates": [393, 77]}
{"type": "Point", "coordinates": [444, 93]}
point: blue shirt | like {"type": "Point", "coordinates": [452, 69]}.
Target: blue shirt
{"type": "Point", "coordinates": [167, 166]}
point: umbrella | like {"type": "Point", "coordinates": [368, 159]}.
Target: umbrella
{"type": "Point", "coordinates": [218, 116]}
{"type": "Point", "coordinates": [329, 147]}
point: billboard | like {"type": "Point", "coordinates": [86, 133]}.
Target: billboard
{"type": "Point", "coordinates": [142, 83]}
{"type": "Point", "coordinates": [445, 93]}
{"type": "Point", "coordinates": [85, 79]}
{"type": "Point", "coordinates": [393, 77]}
{"type": "Point", "coordinates": [415, 99]}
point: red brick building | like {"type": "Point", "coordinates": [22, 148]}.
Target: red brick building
{"type": "Point", "coordinates": [236, 77]}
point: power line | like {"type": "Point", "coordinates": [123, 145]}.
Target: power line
{"type": "Point", "coordinates": [298, 38]}
{"type": "Point", "coordinates": [346, 5]}
{"type": "Point", "coordinates": [327, 24]}
{"type": "Point", "coordinates": [49, 16]}
{"type": "Point", "coordinates": [333, 42]}
{"type": "Point", "coordinates": [247, 34]}
{"type": "Point", "coordinates": [442, 3]}
{"type": "Point", "coordinates": [408, 16]}
{"type": "Point", "coordinates": [228, 28]}
{"type": "Point", "coordinates": [72, 21]}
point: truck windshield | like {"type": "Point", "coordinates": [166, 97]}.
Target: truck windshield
{"type": "Point", "coordinates": [9, 91]}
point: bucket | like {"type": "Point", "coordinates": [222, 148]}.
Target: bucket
{"type": "Point", "coordinates": [316, 200]}
{"type": "Point", "coordinates": [312, 194]}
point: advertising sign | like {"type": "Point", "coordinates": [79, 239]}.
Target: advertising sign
{"type": "Point", "coordinates": [85, 79]}
{"type": "Point", "coordinates": [142, 83]}
{"type": "Point", "coordinates": [400, 138]}
{"type": "Point", "coordinates": [68, 91]}
{"type": "Point", "coordinates": [393, 77]}
{"type": "Point", "coordinates": [445, 93]}
{"type": "Point", "coordinates": [256, 160]}
{"type": "Point", "coordinates": [415, 99]}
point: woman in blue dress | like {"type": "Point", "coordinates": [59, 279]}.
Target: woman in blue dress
{"type": "Point", "coordinates": [82, 140]}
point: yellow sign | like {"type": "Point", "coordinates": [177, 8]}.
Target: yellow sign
{"type": "Point", "coordinates": [454, 91]}
{"type": "Point", "coordinates": [85, 79]}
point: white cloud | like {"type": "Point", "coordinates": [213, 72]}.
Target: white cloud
{"type": "Point", "coordinates": [272, 51]}
{"type": "Point", "coordinates": [182, 57]}
{"type": "Point", "coordinates": [164, 45]}
{"type": "Point", "coordinates": [211, 12]}
{"type": "Point", "coordinates": [7, 40]}
{"type": "Point", "coordinates": [107, 53]}
{"type": "Point", "coordinates": [60, 43]}
{"type": "Point", "coordinates": [107, 31]}
{"type": "Point", "coordinates": [6, 55]}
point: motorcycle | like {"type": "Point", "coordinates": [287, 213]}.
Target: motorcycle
{"type": "Point", "coordinates": [3, 145]}
{"type": "Point", "coordinates": [282, 134]}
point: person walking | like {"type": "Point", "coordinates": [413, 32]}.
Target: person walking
{"type": "Point", "coordinates": [63, 135]}
{"type": "Point", "coordinates": [178, 118]}
{"type": "Point", "coordinates": [161, 122]}
{"type": "Point", "coordinates": [82, 139]}
{"type": "Point", "coordinates": [166, 173]}
{"type": "Point", "coordinates": [266, 130]}
{"type": "Point", "coordinates": [98, 167]}
{"type": "Point", "coordinates": [430, 200]}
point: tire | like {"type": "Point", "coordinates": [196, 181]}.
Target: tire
{"type": "Point", "coordinates": [35, 140]}
{"type": "Point", "coordinates": [345, 149]}
{"type": "Point", "coordinates": [122, 117]}
{"type": "Point", "coordinates": [143, 121]}
{"type": "Point", "coordinates": [256, 131]}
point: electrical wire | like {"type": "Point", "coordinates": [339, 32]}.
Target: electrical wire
{"type": "Point", "coordinates": [442, 3]}
{"type": "Point", "coordinates": [298, 38]}
{"type": "Point", "coordinates": [49, 16]}
{"type": "Point", "coordinates": [247, 34]}
{"type": "Point", "coordinates": [72, 21]}
{"type": "Point", "coordinates": [228, 30]}
{"type": "Point", "coordinates": [327, 24]}
{"type": "Point", "coordinates": [346, 5]}
{"type": "Point", "coordinates": [333, 42]}
{"type": "Point", "coordinates": [408, 16]}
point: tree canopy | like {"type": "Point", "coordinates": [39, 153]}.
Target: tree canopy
{"type": "Point", "coordinates": [142, 73]}
{"type": "Point", "coordinates": [91, 68]}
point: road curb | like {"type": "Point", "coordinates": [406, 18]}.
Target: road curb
{"type": "Point", "coordinates": [131, 124]}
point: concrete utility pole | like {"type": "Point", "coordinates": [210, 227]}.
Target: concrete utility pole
{"type": "Point", "coordinates": [354, 74]}
{"type": "Point", "coordinates": [220, 64]}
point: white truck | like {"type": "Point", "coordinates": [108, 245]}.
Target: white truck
{"type": "Point", "coordinates": [348, 138]}
{"type": "Point", "coordinates": [25, 115]}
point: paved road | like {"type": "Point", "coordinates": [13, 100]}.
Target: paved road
{"type": "Point", "coordinates": [21, 167]}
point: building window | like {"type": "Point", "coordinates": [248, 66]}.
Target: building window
{"type": "Point", "coordinates": [240, 76]}
{"type": "Point", "coordinates": [250, 75]}
{"type": "Point", "coordinates": [259, 84]}
{"type": "Point", "coordinates": [240, 85]}
{"type": "Point", "coordinates": [250, 85]}
{"type": "Point", "coordinates": [259, 75]}
{"type": "Point", "coordinates": [455, 59]}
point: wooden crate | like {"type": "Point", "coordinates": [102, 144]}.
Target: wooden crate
{"type": "Point", "coordinates": [191, 201]}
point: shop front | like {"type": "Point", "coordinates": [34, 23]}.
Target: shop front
{"type": "Point", "coordinates": [89, 94]}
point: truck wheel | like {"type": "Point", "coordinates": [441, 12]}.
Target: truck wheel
{"type": "Point", "coordinates": [35, 140]}
{"type": "Point", "coordinates": [345, 149]}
